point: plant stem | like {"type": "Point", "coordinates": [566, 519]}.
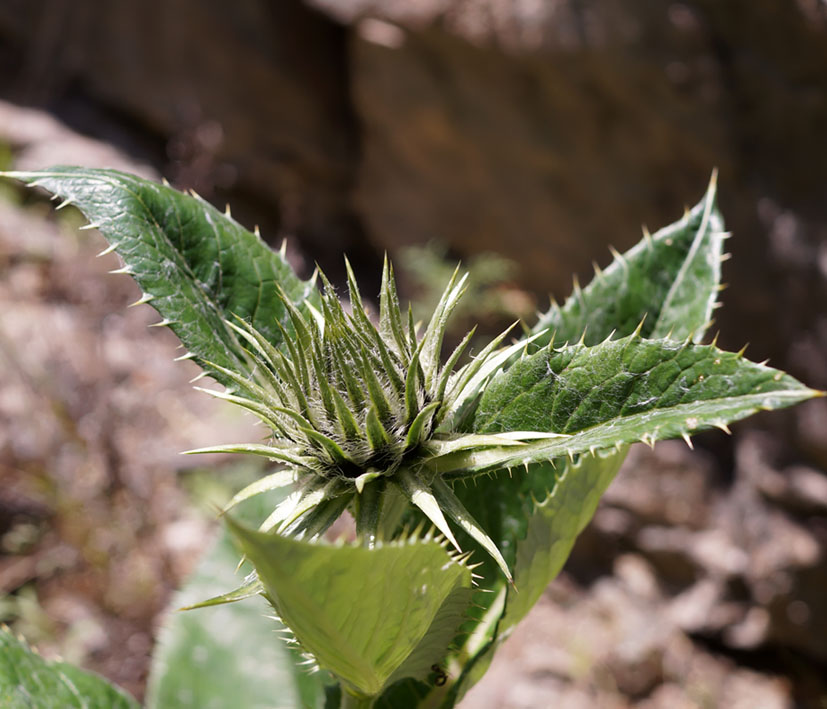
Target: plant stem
{"type": "Point", "coordinates": [393, 507]}
{"type": "Point", "coordinates": [353, 701]}
{"type": "Point", "coordinates": [369, 505]}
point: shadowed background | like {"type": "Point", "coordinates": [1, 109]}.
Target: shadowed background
{"type": "Point", "coordinates": [540, 131]}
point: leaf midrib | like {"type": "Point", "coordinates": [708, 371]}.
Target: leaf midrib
{"type": "Point", "coordinates": [545, 450]}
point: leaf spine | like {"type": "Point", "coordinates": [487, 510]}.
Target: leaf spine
{"type": "Point", "coordinates": [618, 257]}
{"type": "Point", "coordinates": [647, 238]}
{"type": "Point", "coordinates": [722, 425]}
{"type": "Point", "coordinates": [639, 328]}
{"type": "Point", "coordinates": [108, 250]}
{"type": "Point", "coordinates": [578, 291]}
{"type": "Point", "coordinates": [166, 322]}
{"type": "Point", "coordinates": [145, 298]}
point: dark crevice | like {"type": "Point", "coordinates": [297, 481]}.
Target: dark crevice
{"type": "Point", "coordinates": [309, 49]}
{"type": "Point", "coordinates": [807, 675]}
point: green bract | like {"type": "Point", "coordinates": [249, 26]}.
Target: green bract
{"type": "Point", "coordinates": [507, 454]}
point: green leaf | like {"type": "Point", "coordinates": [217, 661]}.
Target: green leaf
{"type": "Point", "coordinates": [27, 681]}
{"type": "Point", "coordinates": [618, 392]}
{"type": "Point", "coordinates": [670, 282]}
{"type": "Point", "coordinates": [670, 278]}
{"type": "Point", "coordinates": [443, 629]}
{"type": "Point", "coordinates": [362, 632]}
{"type": "Point", "coordinates": [646, 389]}
{"type": "Point", "coordinates": [601, 397]}
{"type": "Point", "coordinates": [554, 524]}
{"type": "Point", "coordinates": [226, 655]}
{"type": "Point", "coordinates": [196, 265]}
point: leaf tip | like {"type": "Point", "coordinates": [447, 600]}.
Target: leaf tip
{"type": "Point", "coordinates": [713, 181]}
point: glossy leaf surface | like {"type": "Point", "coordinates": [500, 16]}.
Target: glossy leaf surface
{"type": "Point", "coordinates": [621, 391]}
{"type": "Point", "coordinates": [362, 612]}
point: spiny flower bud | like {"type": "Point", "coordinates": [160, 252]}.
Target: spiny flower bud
{"type": "Point", "coordinates": [352, 408]}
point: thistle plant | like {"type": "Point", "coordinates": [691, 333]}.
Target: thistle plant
{"type": "Point", "coordinates": [468, 480]}
{"type": "Point", "coordinates": [355, 409]}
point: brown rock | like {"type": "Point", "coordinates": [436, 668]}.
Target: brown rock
{"type": "Point", "coordinates": [245, 101]}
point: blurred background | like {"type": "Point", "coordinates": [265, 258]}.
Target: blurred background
{"type": "Point", "coordinates": [521, 136]}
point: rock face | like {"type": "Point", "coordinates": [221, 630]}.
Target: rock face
{"type": "Point", "coordinates": [545, 131]}
{"type": "Point", "coordinates": [245, 101]}
{"type": "Point", "coordinates": [541, 131]}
